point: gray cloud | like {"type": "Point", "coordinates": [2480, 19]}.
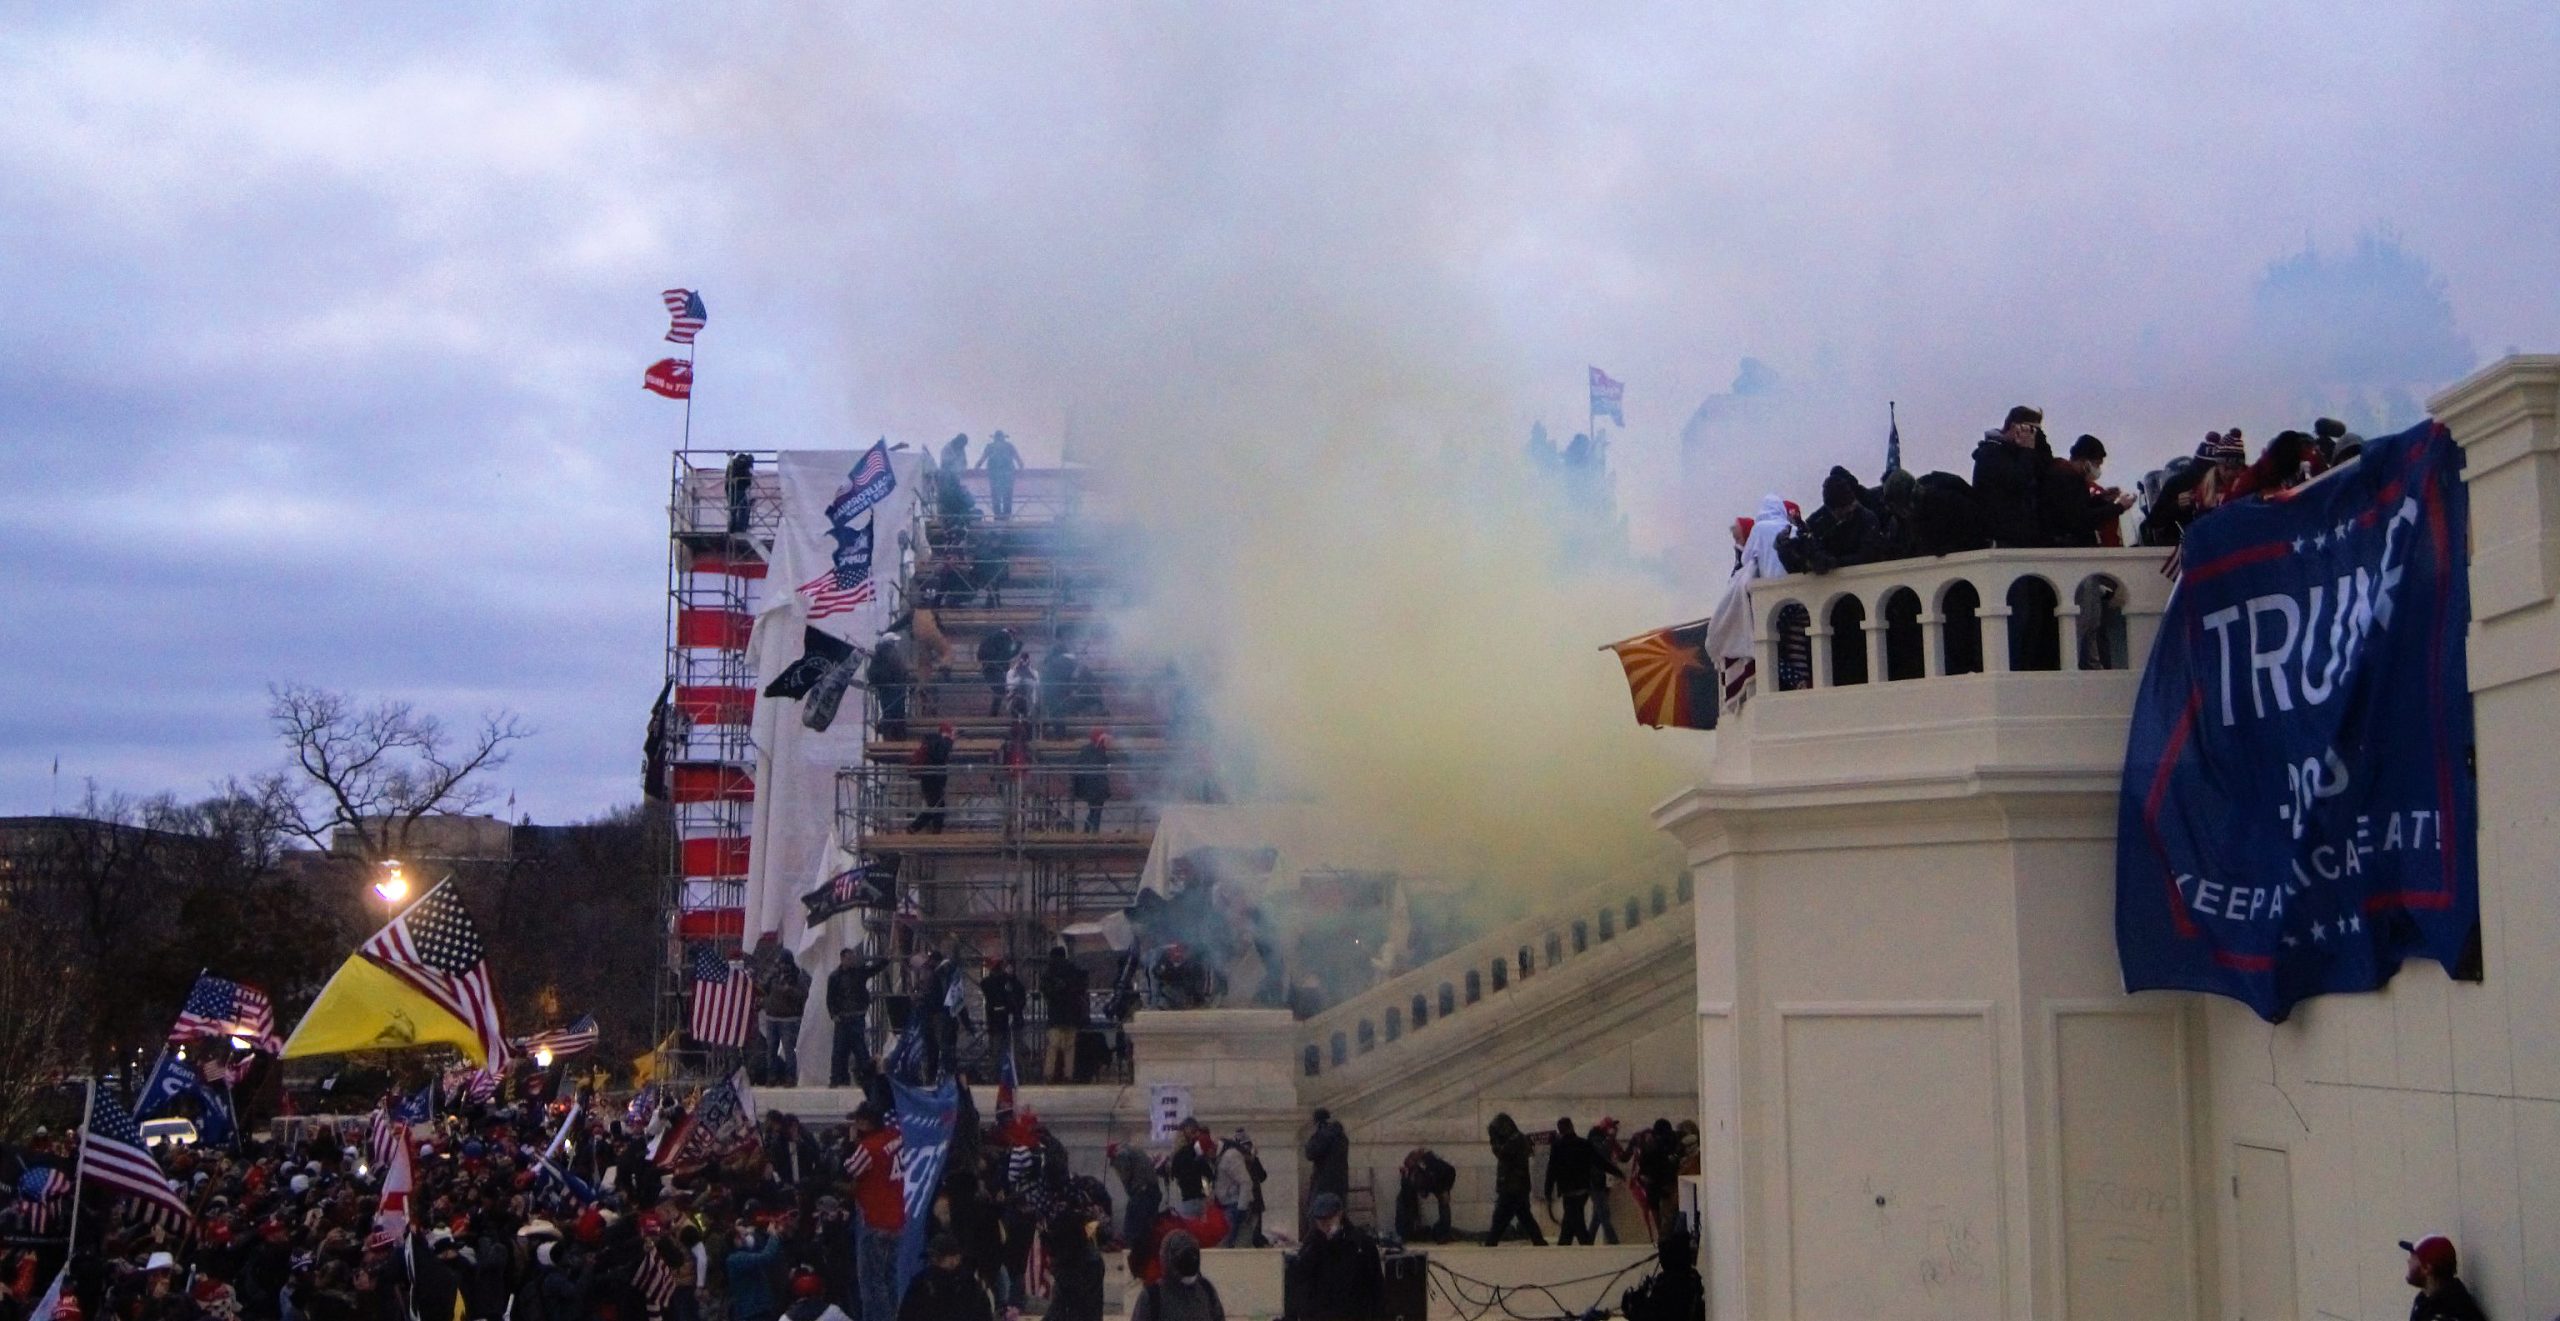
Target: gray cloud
{"type": "Point", "coordinates": [329, 328]}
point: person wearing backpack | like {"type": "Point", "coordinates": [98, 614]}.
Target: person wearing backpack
{"type": "Point", "coordinates": [1184, 1294]}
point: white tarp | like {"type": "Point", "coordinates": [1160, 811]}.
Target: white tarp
{"type": "Point", "coordinates": [793, 842]}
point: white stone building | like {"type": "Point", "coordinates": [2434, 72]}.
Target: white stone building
{"type": "Point", "coordinates": [1923, 1091]}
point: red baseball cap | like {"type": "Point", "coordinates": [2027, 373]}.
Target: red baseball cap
{"type": "Point", "coordinates": [2435, 1252]}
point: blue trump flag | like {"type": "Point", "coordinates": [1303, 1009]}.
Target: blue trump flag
{"type": "Point", "coordinates": [925, 1119]}
{"type": "Point", "coordinates": [2298, 813]}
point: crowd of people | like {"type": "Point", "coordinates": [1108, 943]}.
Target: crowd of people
{"type": "Point", "coordinates": [2023, 493]}
{"type": "Point", "coordinates": [530, 1212]}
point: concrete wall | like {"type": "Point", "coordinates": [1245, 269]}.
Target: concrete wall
{"type": "Point", "coordinates": [2433, 1105]}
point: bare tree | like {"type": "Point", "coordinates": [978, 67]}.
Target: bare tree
{"type": "Point", "coordinates": [36, 1041]}
{"type": "Point", "coordinates": [369, 773]}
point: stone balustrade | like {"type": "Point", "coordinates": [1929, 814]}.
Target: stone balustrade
{"type": "Point", "coordinates": [1984, 611]}
{"type": "Point", "coordinates": [1472, 973]}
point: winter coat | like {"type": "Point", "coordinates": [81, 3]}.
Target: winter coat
{"type": "Point", "coordinates": [1190, 1171]}
{"type": "Point", "coordinates": [2008, 479]}
{"type": "Point", "coordinates": [1573, 1166]}
{"type": "Point", "coordinates": [1338, 1277]}
{"type": "Point", "coordinates": [1179, 1300]}
{"type": "Point", "coordinates": [2073, 512]}
{"type": "Point", "coordinates": [945, 1295]}
{"type": "Point", "coordinates": [1235, 1178]}
{"type": "Point", "coordinates": [1511, 1151]}
{"type": "Point", "coordinates": [1092, 780]}
{"type": "Point", "coordinates": [751, 1294]}
{"type": "Point", "coordinates": [1329, 1159]}
{"type": "Point", "coordinates": [849, 989]}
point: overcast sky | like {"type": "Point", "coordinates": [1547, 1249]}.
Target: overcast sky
{"type": "Point", "coordinates": [330, 320]}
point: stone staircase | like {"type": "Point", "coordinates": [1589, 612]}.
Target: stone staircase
{"type": "Point", "coordinates": [1585, 1009]}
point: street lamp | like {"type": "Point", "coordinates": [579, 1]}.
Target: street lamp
{"type": "Point", "coordinates": [394, 883]}
{"type": "Point", "coordinates": [542, 1057]}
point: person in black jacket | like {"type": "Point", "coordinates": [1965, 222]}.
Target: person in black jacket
{"type": "Point", "coordinates": [1511, 1151]}
{"type": "Point", "coordinates": [945, 1290]}
{"type": "Point", "coordinates": [1845, 530]}
{"type": "Point", "coordinates": [1066, 995]}
{"type": "Point", "coordinates": [2008, 476]}
{"type": "Point", "coordinates": [1005, 997]}
{"type": "Point", "coordinates": [1328, 1153]}
{"type": "Point", "coordinates": [932, 762]}
{"type": "Point", "coordinates": [1424, 1174]}
{"type": "Point", "coordinates": [1336, 1275]}
{"type": "Point", "coordinates": [995, 656]}
{"type": "Point", "coordinates": [1573, 1170]}
{"type": "Point", "coordinates": [849, 1004]}
{"type": "Point", "coordinates": [2074, 509]}
{"type": "Point", "coordinates": [1091, 783]}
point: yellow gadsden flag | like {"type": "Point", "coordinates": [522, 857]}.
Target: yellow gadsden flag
{"type": "Point", "coordinates": [366, 1008]}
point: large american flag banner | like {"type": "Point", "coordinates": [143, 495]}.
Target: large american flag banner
{"type": "Point", "coordinates": [723, 999]}
{"type": "Point", "coordinates": [112, 1154]}
{"type": "Point", "coordinates": [685, 316]}
{"type": "Point", "coordinates": [434, 947]}
{"type": "Point", "coordinates": [219, 1008]}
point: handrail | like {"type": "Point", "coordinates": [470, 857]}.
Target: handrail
{"type": "Point", "coordinates": [1523, 950]}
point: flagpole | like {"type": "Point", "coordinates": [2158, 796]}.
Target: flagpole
{"type": "Point", "coordinates": [689, 383]}
{"type": "Point", "coordinates": [80, 1169]}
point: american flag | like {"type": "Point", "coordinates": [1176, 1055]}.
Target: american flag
{"type": "Point", "coordinates": [575, 1039]}
{"type": "Point", "coordinates": [220, 1008]}
{"type": "Point", "coordinates": [472, 1084]}
{"type": "Point", "coordinates": [435, 948]}
{"type": "Point", "coordinates": [723, 999]}
{"type": "Point", "coordinates": [225, 1072]}
{"type": "Point", "coordinates": [385, 1137]}
{"type": "Point", "coordinates": [43, 1191]}
{"type": "Point", "coordinates": [111, 1153]}
{"type": "Point", "coordinates": [830, 594]}
{"type": "Point", "coordinates": [685, 315]}
{"type": "Point", "coordinates": [642, 1109]}
{"type": "Point", "coordinates": [391, 1214]}
{"type": "Point", "coordinates": [656, 1279]}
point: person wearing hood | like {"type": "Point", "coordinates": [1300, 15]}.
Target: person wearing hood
{"type": "Point", "coordinates": [2008, 477]}
{"type": "Point", "coordinates": [1142, 1197]}
{"type": "Point", "coordinates": [1511, 1151]}
{"type": "Point", "coordinates": [1732, 634]}
{"type": "Point", "coordinates": [1328, 1153]}
{"type": "Point", "coordinates": [1845, 530]}
{"type": "Point", "coordinates": [1183, 1294]}
{"type": "Point", "coordinates": [1658, 1175]}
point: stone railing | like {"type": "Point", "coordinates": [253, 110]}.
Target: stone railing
{"type": "Point", "coordinates": [1451, 984]}
{"type": "Point", "coordinates": [1984, 611]}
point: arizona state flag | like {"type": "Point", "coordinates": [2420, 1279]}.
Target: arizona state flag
{"type": "Point", "coordinates": [365, 1007]}
{"type": "Point", "coordinates": [1669, 678]}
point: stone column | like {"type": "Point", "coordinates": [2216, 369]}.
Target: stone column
{"type": "Point", "coordinates": [1238, 1065]}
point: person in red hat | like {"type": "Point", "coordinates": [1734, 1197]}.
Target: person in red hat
{"type": "Point", "coordinates": [2442, 1296]}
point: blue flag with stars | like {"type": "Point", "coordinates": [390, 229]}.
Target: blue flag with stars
{"type": "Point", "coordinates": [2298, 815]}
